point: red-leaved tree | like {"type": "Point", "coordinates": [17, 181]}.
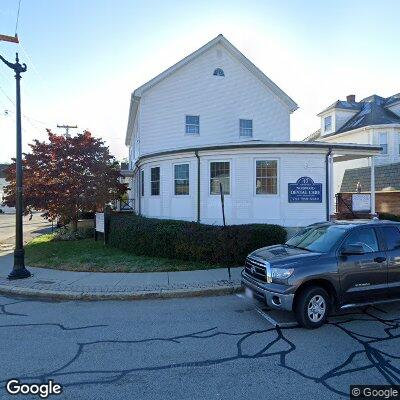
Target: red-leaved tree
{"type": "Point", "coordinates": [65, 176]}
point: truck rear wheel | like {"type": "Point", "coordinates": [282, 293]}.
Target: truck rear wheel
{"type": "Point", "coordinates": [312, 307]}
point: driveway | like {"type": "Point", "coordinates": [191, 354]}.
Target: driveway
{"type": "Point", "coordinates": [197, 348]}
{"type": "Point", "coordinates": [36, 226]}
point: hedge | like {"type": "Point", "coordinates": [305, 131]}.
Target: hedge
{"type": "Point", "coordinates": [389, 217]}
{"type": "Point", "coordinates": [190, 241]}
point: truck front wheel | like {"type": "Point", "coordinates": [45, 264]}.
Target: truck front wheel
{"type": "Point", "coordinates": [312, 307]}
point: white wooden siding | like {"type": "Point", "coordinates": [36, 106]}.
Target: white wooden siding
{"type": "Point", "coordinates": [220, 102]}
{"type": "Point", "coordinates": [242, 205]}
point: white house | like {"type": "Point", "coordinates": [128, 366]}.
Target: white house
{"type": "Point", "coordinates": [374, 120]}
{"type": "Point", "coordinates": [215, 120]}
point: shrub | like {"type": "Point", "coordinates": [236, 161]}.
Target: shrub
{"type": "Point", "coordinates": [389, 217]}
{"type": "Point", "coordinates": [189, 240]}
{"type": "Point", "coordinates": [64, 234]}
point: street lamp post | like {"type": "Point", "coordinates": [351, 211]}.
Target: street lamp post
{"type": "Point", "coordinates": [19, 271]}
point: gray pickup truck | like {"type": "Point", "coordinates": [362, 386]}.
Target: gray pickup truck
{"type": "Point", "coordinates": [325, 267]}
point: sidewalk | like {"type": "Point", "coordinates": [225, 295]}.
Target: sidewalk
{"type": "Point", "coordinates": [70, 285]}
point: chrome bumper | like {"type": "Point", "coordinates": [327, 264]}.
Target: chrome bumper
{"type": "Point", "coordinates": [273, 299]}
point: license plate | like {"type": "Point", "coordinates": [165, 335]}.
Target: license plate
{"type": "Point", "coordinates": [249, 293]}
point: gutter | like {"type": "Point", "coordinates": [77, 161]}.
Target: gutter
{"type": "Point", "coordinates": [328, 198]}
{"type": "Point", "coordinates": [290, 145]}
{"type": "Point", "coordinates": [196, 153]}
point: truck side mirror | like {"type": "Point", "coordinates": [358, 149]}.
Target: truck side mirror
{"type": "Point", "coordinates": [352, 249]}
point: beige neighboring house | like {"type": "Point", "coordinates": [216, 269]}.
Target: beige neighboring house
{"type": "Point", "coordinates": [373, 120]}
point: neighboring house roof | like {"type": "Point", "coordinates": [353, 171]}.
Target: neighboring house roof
{"type": "Point", "coordinates": [220, 39]}
{"type": "Point", "coordinates": [2, 170]}
{"type": "Point", "coordinates": [387, 177]}
{"type": "Point", "coordinates": [313, 137]}
{"type": "Point", "coordinates": [372, 110]}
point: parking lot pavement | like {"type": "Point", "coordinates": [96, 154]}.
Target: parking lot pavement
{"type": "Point", "coordinates": [197, 348]}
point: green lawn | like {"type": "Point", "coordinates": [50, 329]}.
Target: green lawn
{"type": "Point", "coordinates": [88, 255]}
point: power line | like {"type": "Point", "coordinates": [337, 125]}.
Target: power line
{"type": "Point", "coordinates": [16, 23]}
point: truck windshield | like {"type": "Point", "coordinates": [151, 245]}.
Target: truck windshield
{"type": "Point", "coordinates": [318, 238]}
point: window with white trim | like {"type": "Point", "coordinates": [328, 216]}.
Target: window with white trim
{"type": "Point", "coordinates": [181, 179]}
{"type": "Point", "coordinates": [246, 127]}
{"type": "Point", "coordinates": [383, 142]}
{"type": "Point", "coordinates": [192, 126]}
{"type": "Point", "coordinates": [328, 123]}
{"type": "Point", "coordinates": [220, 173]}
{"type": "Point", "coordinates": [266, 177]}
{"type": "Point", "coordinates": [155, 181]}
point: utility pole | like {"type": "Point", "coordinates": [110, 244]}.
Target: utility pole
{"type": "Point", "coordinates": [19, 271]}
{"type": "Point", "coordinates": [67, 128]}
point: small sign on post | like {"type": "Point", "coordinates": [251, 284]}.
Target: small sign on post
{"type": "Point", "coordinates": [361, 202]}
{"type": "Point", "coordinates": [98, 225]}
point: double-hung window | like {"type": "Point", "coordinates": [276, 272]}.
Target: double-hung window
{"type": "Point", "coordinates": [266, 177]}
{"type": "Point", "coordinates": [155, 181]}
{"type": "Point", "coordinates": [328, 123]}
{"type": "Point", "coordinates": [383, 142]}
{"type": "Point", "coordinates": [246, 127]}
{"type": "Point", "coordinates": [181, 179]}
{"type": "Point", "coordinates": [220, 174]}
{"type": "Point", "coordinates": [192, 124]}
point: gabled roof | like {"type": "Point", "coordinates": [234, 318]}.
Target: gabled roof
{"type": "Point", "coordinates": [373, 110]}
{"type": "Point", "coordinates": [344, 105]}
{"type": "Point", "coordinates": [220, 39]}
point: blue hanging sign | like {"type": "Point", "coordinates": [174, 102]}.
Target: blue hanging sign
{"type": "Point", "coordinates": [305, 191]}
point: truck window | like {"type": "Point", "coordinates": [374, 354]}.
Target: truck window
{"type": "Point", "coordinates": [392, 237]}
{"type": "Point", "coordinates": [365, 237]}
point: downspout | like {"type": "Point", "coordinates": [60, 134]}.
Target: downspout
{"type": "Point", "coordinates": [328, 198]}
{"type": "Point", "coordinates": [139, 190]}
{"type": "Point", "coordinates": [196, 153]}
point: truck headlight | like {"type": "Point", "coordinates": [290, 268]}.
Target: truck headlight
{"type": "Point", "coordinates": [281, 274]}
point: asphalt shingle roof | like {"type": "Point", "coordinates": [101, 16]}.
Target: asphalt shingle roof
{"type": "Point", "coordinates": [372, 110]}
{"type": "Point", "coordinates": [387, 177]}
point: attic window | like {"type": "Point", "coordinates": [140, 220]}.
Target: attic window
{"type": "Point", "coordinates": [218, 72]}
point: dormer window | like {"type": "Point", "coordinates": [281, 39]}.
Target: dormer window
{"type": "Point", "coordinates": [219, 72]}
{"type": "Point", "coordinates": [328, 123]}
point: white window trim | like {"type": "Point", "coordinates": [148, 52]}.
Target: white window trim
{"type": "Point", "coordinates": [252, 128]}
{"type": "Point", "coordinates": [191, 115]}
{"type": "Point", "coordinates": [278, 177]}
{"type": "Point", "coordinates": [209, 177]}
{"type": "Point", "coordinates": [150, 181]}
{"type": "Point", "coordinates": [182, 196]}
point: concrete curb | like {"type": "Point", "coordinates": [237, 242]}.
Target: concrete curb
{"type": "Point", "coordinates": [128, 295]}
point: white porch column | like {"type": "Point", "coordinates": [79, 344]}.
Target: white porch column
{"type": "Point", "coordinates": [373, 185]}
{"type": "Point", "coordinates": [331, 187]}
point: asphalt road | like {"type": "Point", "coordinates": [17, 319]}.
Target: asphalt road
{"type": "Point", "coordinates": [197, 348]}
{"type": "Point", "coordinates": [33, 227]}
